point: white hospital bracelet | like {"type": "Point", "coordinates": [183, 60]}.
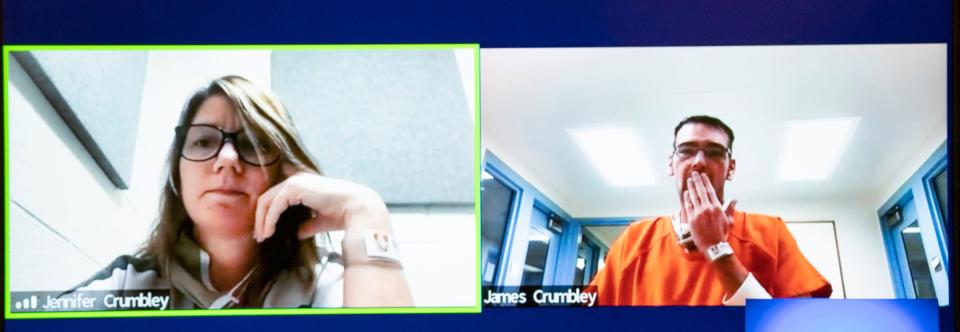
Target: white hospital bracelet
{"type": "Point", "coordinates": [749, 289]}
{"type": "Point", "coordinates": [369, 247]}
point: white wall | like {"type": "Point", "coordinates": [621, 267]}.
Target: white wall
{"type": "Point", "coordinates": [818, 244]}
{"type": "Point", "coordinates": [527, 171]}
{"type": "Point", "coordinates": [911, 163]}
{"type": "Point", "coordinates": [72, 218]}
{"type": "Point", "coordinates": [466, 59]}
{"type": "Point", "coordinates": [438, 247]}
{"type": "Point", "coordinates": [862, 256]}
{"type": "Point", "coordinates": [68, 220]}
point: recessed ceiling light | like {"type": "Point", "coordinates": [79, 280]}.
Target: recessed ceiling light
{"type": "Point", "coordinates": [812, 148]}
{"type": "Point", "coordinates": [617, 153]}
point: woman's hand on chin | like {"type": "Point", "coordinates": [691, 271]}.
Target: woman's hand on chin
{"type": "Point", "coordinates": [336, 205]}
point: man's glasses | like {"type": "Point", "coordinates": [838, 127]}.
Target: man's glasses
{"type": "Point", "coordinates": [203, 142]}
{"type": "Point", "coordinates": [714, 152]}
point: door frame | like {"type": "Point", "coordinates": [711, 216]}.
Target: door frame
{"type": "Point", "coordinates": [918, 188]}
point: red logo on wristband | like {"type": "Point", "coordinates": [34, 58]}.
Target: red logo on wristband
{"type": "Point", "coordinates": [382, 241]}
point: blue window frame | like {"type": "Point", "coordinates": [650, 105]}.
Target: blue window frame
{"type": "Point", "coordinates": [543, 243]}
{"type": "Point", "coordinates": [914, 231]}
{"type": "Point", "coordinates": [567, 269]}
{"type": "Point", "coordinates": [936, 189]}
{"type": "Point", "coordinates": [529, 217]}
{"type": "Point", "coordinates": [589, 254]}
{"type": "Point", "coordinates": [907, 249]}
{"type": "Point", "coordinates": [502, 197]}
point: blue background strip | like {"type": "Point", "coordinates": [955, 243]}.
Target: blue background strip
{"type": "Point", "coordinates": [492, 23]}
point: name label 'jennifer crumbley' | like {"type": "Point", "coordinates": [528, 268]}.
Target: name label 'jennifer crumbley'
{"type": "Point", "coordinates": [90, 300]}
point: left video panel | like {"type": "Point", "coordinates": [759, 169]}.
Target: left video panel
{"type": "Point", "coordinates": [154, 180]}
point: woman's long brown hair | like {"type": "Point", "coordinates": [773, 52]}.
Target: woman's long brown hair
{"type": "Point", "coordinates": [264, 117]}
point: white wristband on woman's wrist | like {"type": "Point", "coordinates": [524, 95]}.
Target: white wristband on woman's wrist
{"type": "Point", "coordinates": [749, 289]}
{"type": "Point", "coordinates": [370, 247]}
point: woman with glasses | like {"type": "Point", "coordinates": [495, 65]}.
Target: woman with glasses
{"type": "Point", "coordinates": [241, 212]}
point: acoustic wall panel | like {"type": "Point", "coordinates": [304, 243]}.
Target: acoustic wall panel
{"type": "Point", "coordinates": [93, 91]}
{"type": "Point", "coordinates": [396, 121]}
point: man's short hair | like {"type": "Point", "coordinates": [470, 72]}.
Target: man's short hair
{"type": "Point", "coordinates": [706, 120]}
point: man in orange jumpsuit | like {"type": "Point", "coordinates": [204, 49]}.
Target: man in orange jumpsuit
{"type": "Point", "coordinates": [707, 253]}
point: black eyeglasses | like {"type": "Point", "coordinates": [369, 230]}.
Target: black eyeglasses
{"type": "Point", "coordinates": [715, 152]}
{"type": "Point", "coordinates": [203, 142]}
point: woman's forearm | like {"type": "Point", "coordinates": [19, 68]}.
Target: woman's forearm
{"type": "Point", "coordinates": [369, 283]}
{"type": "Point", "coordinates": [375, 286]}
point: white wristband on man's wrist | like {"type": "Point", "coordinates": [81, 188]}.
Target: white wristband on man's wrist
{"type": "Point", "coordinates": [749, 289]}
{"type": "Point", "coordinates": [718, 251]}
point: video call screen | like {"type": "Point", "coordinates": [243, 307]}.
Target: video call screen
{"type": "Point", "coordinates": [755, 167]}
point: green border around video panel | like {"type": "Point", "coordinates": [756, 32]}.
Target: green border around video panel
{"type": "Point", "coordinates": [237, 312]}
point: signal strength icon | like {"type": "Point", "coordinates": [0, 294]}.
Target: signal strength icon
{"type": "Point", "coordinates": [27, 303]}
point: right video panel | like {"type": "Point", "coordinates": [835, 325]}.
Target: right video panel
{"type": "Point", "coordinates": [695, 176]}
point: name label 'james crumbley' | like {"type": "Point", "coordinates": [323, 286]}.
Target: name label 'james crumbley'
{"type": "Point", "coordinates": [537, 296]}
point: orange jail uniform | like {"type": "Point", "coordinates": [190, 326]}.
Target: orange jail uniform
{"type": "Point", "coordinates": [646, 266]}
